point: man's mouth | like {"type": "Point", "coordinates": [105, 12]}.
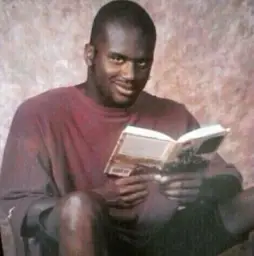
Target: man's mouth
{"type": "Point", "coordinates": [124, 89]}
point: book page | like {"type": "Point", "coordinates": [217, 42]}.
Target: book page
{"type": "Point", "coordinates": [195, 153]}
{"type": "Point", "coordinates": [142, 132]}
{"type": "Point", "coordinates": [143, 147]}
{"type": "Point", "coordinates": [204, 132]}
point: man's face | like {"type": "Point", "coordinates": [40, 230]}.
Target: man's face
{"type": "Point", "coordinates": [121, 65]}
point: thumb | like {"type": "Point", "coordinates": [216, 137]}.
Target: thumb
{"type": "Point", "coordinates": [161, 179]}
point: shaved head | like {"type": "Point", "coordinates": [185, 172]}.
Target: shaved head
{"type": "Point", "coordinates": [120, 53]}
{"type": "Point", "coordinates": [125, 13]}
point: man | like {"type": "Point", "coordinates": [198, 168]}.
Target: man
{"type": "Point", "coordinates": [54, 191]}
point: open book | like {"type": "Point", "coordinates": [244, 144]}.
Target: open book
{"type": "Point", "coordinates": [138, 146]}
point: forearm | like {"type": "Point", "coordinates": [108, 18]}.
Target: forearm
{"type": "Point", "coordinates": [237, 213]}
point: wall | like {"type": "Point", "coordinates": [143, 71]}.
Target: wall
{"type": "Point", "coordinates": [204, 58]}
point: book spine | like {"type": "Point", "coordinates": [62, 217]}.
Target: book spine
{"type": "Point", "coordinates": [171, 153]}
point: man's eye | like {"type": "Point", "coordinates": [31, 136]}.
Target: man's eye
{"type": "Point", "coordinates": [142, 64]}
{"type": "Point", "coordinates": [117, 59]}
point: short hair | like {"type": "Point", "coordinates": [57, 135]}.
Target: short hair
{"type": "Point", "coordinates": [123, 12]}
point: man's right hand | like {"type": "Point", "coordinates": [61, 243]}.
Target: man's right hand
{"type": "Point", "coordinates": [125, 193]}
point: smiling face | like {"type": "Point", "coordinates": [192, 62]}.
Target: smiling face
{"type": "Point", "coordinates": [120, 64]}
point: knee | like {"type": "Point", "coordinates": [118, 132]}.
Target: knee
{"type": "Point", "coordinates": [80, 208]}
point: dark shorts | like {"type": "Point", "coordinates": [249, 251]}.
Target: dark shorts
{"type": "Point", "coordinates": [194, 231]}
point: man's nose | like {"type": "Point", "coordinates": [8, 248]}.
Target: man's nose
{"type": "Point", "coordinates": [128, 70]}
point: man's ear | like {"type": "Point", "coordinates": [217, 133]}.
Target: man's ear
{"type": "Point", "coordinates": [89, 54]}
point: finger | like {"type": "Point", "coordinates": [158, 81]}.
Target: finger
{"type": "Point", "coordinates": [181, 176]}
{"type": "Point", "coordinates": [135, 179]}
{"type": "Point", "coordinates": [137, 202]}
{"type": "Point", "coordinates": [185, 184]}
{"type": "Point", "coordinates": [135, 197]}
{"type": "Point", "coordinates": [130, 189]}
{"type": "Point", "coordinates": [182, 193]}
{"type": "Point", "coordinates": [126, 205]}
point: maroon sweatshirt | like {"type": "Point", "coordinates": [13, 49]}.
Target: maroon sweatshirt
{"type": "Point", "coordinates": [60, 141]}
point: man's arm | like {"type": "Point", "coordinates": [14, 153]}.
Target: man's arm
{"type": "Point", "coordinates": [222, 182]}
{"type": "Point", "coordinates": [223, 179]}
{"type": "Point", "coordinates": [25, 173]}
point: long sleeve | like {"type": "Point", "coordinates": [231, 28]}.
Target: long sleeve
{"type": "Point", "coordinates": [25, 173]}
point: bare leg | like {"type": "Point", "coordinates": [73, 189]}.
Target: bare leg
{"type": "Point", "coordinates": [238, 213]}
{"type": "Point", "coordinates": [81, 230]}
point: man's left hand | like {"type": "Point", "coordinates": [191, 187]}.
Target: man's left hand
{"type": "Point", "coordinates": [183, 187]}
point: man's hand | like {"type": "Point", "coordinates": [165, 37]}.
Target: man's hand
{"type": "Point", "coordinates": [183, 187]}
{"type": "Point", "coordinates": [124, 193]}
